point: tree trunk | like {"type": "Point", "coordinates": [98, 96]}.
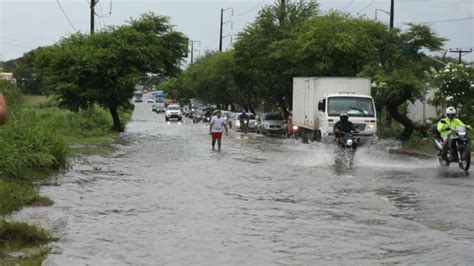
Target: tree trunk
{"type": "Point", "coordinates": [402, 119]}
{"type": "Point", "coordinates": [117, 125]}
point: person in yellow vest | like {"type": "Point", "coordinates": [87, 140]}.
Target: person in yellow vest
{"type": "Point", "coordinates": [447, 125]}
{"type": "Point", "coordinates": [3, 110]}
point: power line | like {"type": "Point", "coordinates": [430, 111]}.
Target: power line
{"type": "Point", "coordinates": [250, 10]}
{"type": "Point", "coordinates": [16, 44]}
{"type": "Point", "coordinates": [346, 6]}
{"type": "Point", "coordinates": [64, 12]}
{"type": "Point", "coordinates": [367, 6]}
{"type": "Point", "coordinates": [20, 41]}
{"type": "Point", "coordinates": [443, 21]}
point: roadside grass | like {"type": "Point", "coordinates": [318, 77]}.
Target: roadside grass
{"type": "Point", "coordinates": [16, 194]}
{"type": "Point", "coordinates": [35, 100]}
{"type": "Point", "coordinates": [39, 140]}
{"type": "Point", "coordinates": [19, 235]}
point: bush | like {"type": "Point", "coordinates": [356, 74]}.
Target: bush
{"type": "Point", "coordinates": [15, 194]}
{"type": "Point", "coordinates": [19, 235]}
{"type": "Point", "coordinates": [26, 143]}
{"type": "Point", "coordinates": [12, 94]}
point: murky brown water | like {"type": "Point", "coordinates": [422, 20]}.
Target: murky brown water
{"type": "Point", "coordinates": [162, 197]}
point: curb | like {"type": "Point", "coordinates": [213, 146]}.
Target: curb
{"type": "Point", "coordinates": [411, 154]}
{"type": "Point", "coordinates": [415, 154]}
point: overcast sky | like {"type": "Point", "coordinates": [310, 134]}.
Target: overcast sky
{"type": "Point", "coordinates": [26, 24]}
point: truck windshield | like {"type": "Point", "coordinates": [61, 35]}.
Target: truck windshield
{"type": "Point", "coordinates": [354, 106]}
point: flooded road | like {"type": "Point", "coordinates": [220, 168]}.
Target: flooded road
{"type": "Point", "coordinates": [162, 197]}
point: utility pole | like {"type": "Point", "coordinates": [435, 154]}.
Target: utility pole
{"type": "Point", "coordinates": [392, 12]}
{"type": "Point", "coordinates": [222, 25]}
{"type": "Point", "coordinates": [192, 49]}
{"type": "Point", "coordinates": [93, 3]}
{"type": "Point", "coordinates": [460, 51]}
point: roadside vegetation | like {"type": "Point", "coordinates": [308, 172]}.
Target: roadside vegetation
{"type": "Point", "coordinates": [89, 81]}
{"type": "Point", "coordinates": [35, 143]}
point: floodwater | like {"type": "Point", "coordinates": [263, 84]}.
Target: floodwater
{"type": "Point", "coordinates": [163, 197]}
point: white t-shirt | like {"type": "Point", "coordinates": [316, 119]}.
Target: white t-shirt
{"type": "Point", "coordinates": [217, 124]}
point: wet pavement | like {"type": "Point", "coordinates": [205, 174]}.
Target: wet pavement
{"type": "Point", "coordinates": [163, 197]}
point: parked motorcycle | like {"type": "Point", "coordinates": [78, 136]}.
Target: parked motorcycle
{"type": "Point", "coordinates": [345, 150]}
{"type": "Point", "coordinates": [458, 149]}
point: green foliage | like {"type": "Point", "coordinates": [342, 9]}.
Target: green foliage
{"type": "Point", "coordinates": [456, 88]}
{"type": "Point", "coordinates": [261, 71]}
{"type": "Point", "coordinates": [15, 194]}
{"type": "Point", "coordinates": [27, 143]}
{"type": "Point", "coordinates": [399, 73]}
{"type": "Point", "coordinates": [103, 68]}
{"type": "Point", "coordinates": [12, 94]}
{"type": "Point", "coordinates": [27, 80]}
{"type": "Point", "coordinates": [21, 235]}
{"type": "Point", "coordinates": [335, 44]}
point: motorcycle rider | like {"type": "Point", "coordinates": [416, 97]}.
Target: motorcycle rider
{"type": "Point", "coordinates": [343, 126]}
{"type": "Point", "coordinates": [446, 126]}
{"type": "Point", "coordinates": [244, 118]}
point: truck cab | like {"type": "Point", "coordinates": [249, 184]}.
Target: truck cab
{"type": "Point", "coordinates": [361, 110]}
{"type": "Point", "coordinates": [318, 102]}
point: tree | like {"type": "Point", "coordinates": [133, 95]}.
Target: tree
{"type": "Point", "coordinates": [399, 73]}
{"type": "Point", "coordinates": [103, 68]}
{"type": "Point", "coordinates": [456, 88]}
{"type": "Point", "coordinates": [27, 80]}
{"type": "Point", "coordinates": [257, 73]}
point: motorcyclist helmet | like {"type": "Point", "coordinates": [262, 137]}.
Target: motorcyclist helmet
{"type": "Point", "coordinates": [344, 116]}
{"type": "Point", "coordinates": [451, 112]}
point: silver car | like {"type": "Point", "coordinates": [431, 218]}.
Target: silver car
{"type": "Point", "coordinates": [270, 123]}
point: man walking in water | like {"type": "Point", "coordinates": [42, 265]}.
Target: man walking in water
{"type": "Point", "coordinates": [216, 128]}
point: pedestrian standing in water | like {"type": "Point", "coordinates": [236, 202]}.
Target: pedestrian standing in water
{"type": "Point", "coordinates": [216, 128]}
{"type": "Point", "coordinates": [3, 110]}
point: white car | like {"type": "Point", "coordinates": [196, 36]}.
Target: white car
{"type": "Point", "coordinates": [150, 100]}
{"type": "Point", "coordinates": [173, 111]}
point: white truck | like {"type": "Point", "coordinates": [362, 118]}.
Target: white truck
{"type": "Point", "coordinates": [318, 101]}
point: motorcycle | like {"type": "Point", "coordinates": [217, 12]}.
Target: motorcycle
{"type": "Point", "coordinates": [345, 150]}
{"type": "Point", "coordinates": [458, 149]}
{"type": "Point", "coordinates": [244, 124]}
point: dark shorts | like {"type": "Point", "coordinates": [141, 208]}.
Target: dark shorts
{"type": "Point", "coordinates": [216, 135]}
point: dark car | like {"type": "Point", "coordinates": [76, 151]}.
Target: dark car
{"type": "Point", "coordinates": [270, 123]}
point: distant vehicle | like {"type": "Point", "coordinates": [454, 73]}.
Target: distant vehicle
{"type": "Point", "coordinates": [318, 102]}
{"type": "Point", "coordinates": [228, 115]}
{"type": "Point", "coordinates": [154, 107]}
{"type": "Point", "coordinates": [173, 111]}
{"type": "Point", "coordinates": [150, 100]}
{"type": "Point", "coordinates": [250, 125]}
{"type": "Point", "coordinates": [270, 123]}
{"type": "Point", "coordinates": [159, 96]}
{"type": "Point", "coordinates": [206, 115]}
{"type": "Point", "coordinates": [160, 107]}
{"type": "Point", "coordinates": [138, 95]}
{"type": "Point", "coordinates": [196, 115]}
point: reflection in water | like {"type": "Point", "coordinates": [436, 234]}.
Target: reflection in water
{"type": "Point", "coordinates": [162, 197]}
